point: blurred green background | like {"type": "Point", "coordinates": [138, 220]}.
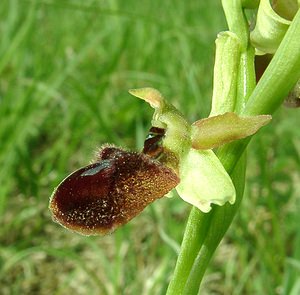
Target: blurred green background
{"type": "Point", "coordinates": [65, 68]}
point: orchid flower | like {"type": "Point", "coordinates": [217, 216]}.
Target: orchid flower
{"type": "Point", "coordinates": [203, 179]}
{"type": "Point", "coordinates": [119, 184]}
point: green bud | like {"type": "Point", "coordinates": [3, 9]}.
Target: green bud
{"type": "Point", "coordinates": [269, 30]}
{"type": "Point", "coordinates": [225, 72]}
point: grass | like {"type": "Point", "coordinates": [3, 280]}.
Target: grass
{"type": "Point", "coordinates": [65, 68]}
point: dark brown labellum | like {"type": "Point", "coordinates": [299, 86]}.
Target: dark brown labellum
{"type": "Point", "coordinates": [152, 144]}
{"type": "Point", "coordinates": [100, 197]}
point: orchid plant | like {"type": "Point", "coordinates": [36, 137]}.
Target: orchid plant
{"type": "Point", "coordinates": [205, 161]}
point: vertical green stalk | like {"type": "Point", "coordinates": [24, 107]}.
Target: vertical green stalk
{"type": "Point", "coordinates": [223, 216]}
{"type": "Point", "coordinates": [279, 78]}
{"type": "Point", "coordinates": [204, 231]}
{"type": "Point", "coordinates": [194, 235]}
{"type": "Point", "coordinates": [236, 20]}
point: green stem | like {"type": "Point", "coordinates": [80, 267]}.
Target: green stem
{"type": "Point", "coordinates": [199, 225]}
{"type": "Point", "coordinates": [196, 230]}
{"type": "Point", "coordinates": [223, 216]}
{"type": "Point", "coordinates": [236, 20]}
{"type": "Point", "coordinates": [278, 80]}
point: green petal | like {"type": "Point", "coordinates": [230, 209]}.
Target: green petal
{"type": "Point", "coordinates": [214, 131]}
{"type": "Point", "coordinates": [204, 181]}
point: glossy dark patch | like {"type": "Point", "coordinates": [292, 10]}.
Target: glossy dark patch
{"type": "Point", "coordinates": [152, 144]}
{"type": "Point", "coordinates": [98, 198]}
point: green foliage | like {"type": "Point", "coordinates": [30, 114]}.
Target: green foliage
{"type": "Point", "coordinates": [65, 68]}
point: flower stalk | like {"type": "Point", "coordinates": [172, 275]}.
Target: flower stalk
{"type": "Point", "coordinates": [205, 231]}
